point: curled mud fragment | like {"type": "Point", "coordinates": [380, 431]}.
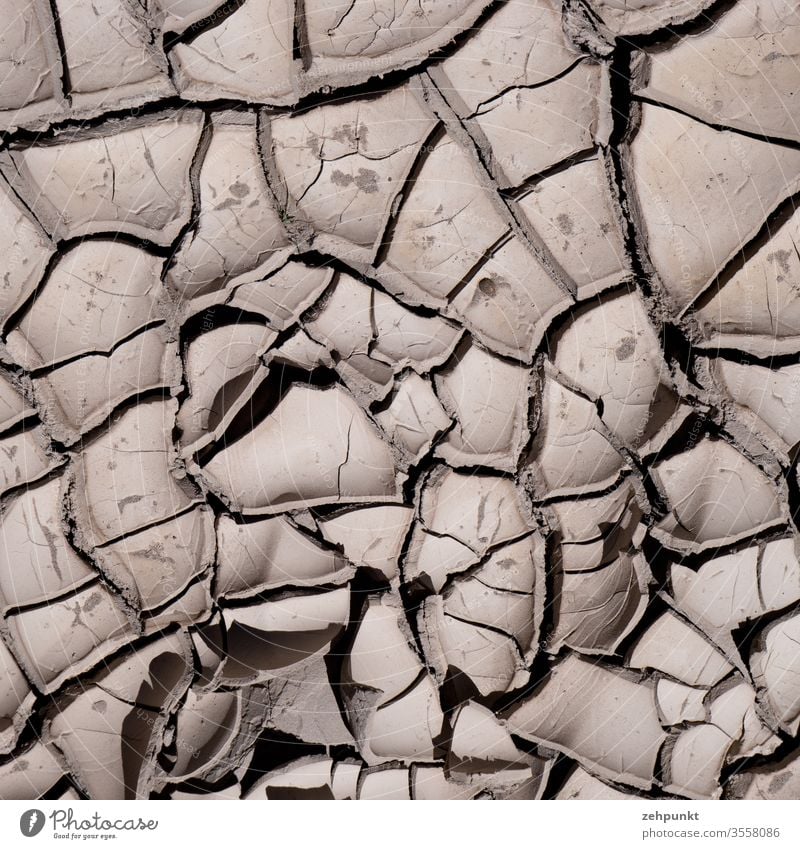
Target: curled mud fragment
{"type": "Point", "coordinates": [508, 300]}
{"type": "Point", "coordinates": [462, 519]}
{"type": "Point", "coordinates": [392, 703]}
{"type": "Point", "coordinates": [370, 536]}
{"type": "Point", "coordinates": [696, 757]}
{"type": "Point", "coordinates": [592, 531]}
{"type": "Point", "coordinates": [223, 369]}
{"type": "Point", "coordinates": [262, 555]}
{"type": "Point", "coordinates": [281, 297]}
{"type": "Point", "coordinates": [728, 590]}
{"type": "Point", "coordinates": [478, 659]}
{"type": "Point", "coordinates": [767, 399]}
{"type": "Point", "coordinates": [264, 637]}
{"type": "Point", "coordinates": [109, 732]}
{"type": "Point", "coordinates": [483, 756]}
{"type": "Point", "coordinates": [670, 645]}
{"type": "Point", "coordinates": [775, 672]}
{"type": "Point", "coordinates": [563, 714]}
{"type": "Point", "coordinates": [415, 417]}
{"type": "Point", "coordinates": [260, 473]}
{"type": "Point", "coordinates": [205, 725]}
{"type": "Point", "coordinates": [597, 610]}
{"type": "Point", "coordinates": [716, 495]}
{"type": "Point", "coordinates": [371, 337]}
{"type": "Point", "coordinates": [678, 703]}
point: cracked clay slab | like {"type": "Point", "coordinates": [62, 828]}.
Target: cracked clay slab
{"type": "Point", "coordinates": [399, 400]}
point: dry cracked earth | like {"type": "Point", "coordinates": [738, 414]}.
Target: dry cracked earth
{"type": "Point", "coordinates": [399, 399]}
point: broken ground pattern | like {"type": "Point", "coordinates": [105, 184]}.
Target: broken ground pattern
{"type": "Point", "coordinates": [399, 399]}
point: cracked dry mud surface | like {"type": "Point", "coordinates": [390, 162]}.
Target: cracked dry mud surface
{"type": "Point", "coordinates": [399, 399]}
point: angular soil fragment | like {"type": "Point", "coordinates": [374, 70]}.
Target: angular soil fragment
{"type": "Point", "coordinates": [16, 701]}
{"type": "Point", "coordinates": [247, 56]}
{"type": "Point", "coordinates": [623, 17]}
{"type": "Point", "coordinates": [26, 250]}
{"type": "Point", "coordinates": [118, 290]}
{"type": "Point", "coordinates": [701, 195]}
{"type": "Point", "coordinates": [81, 394]}
{"type": "Point", "coordinates": [238, 227]}
{"type": "Point", "coordinates": [153, 566]}
{"type": "Point", "coordinates": [576, 215]}
{"type": "Point", "coordinates": [486, 398]}
{"type": "Point", "coordinates": [351, 40]}
{"type": "Point", "coordinates": [31, 76]}
{"type": "Point", "coordinates": [753, 308]}
{"type": "Point", "coordinates": [119, 66]}
{"type": "Point", "coordinates": [371, 537]}
{"type": "Point", "coordinates": [40, 564]}
{"type": "Point", "coordinates": [571, 453]}
{"type": "Point", "coordinates": [132, 458]}
{"type": "Point", "coordinates": [740, 72]}
{"type": "Point", "coordinates": [134, 180]}
{"type": "Point", "coordinates": [263, 555]}
{"type": "Point", "coordinates": [343, 165]}
{"type": "Point", "coordinates": [66, 638]}
{"type": "Point", "coordinates": [520, 47]}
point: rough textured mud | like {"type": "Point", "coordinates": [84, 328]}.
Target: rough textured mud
{"type": "Point", "coordinates": [399, 400]}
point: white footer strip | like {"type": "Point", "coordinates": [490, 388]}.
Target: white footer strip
{"type": "Point", "coordinates": [386, 825]}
